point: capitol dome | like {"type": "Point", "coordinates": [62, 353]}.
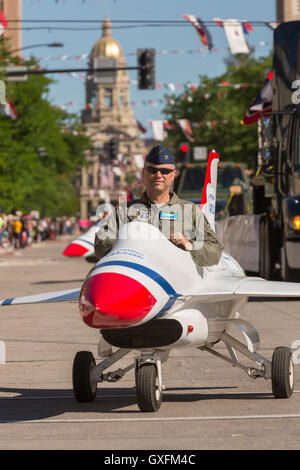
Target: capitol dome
{"type": "Point", "coordinates": [107, 46]}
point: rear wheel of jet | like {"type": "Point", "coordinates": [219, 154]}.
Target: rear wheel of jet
{"type": "Point", "coordinates": [282, 373]}
{"type": "Point", "coordinates": [148, 394]}
{"type": "Point", "coordinates": [84, 389]}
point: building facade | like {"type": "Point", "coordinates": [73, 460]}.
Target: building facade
{"type": "Point", "coordinates": [12, 10]}
{"type": "Point", "coordinates": [108, 115]}
{"type": "Point", "coordinates": [287, 10]}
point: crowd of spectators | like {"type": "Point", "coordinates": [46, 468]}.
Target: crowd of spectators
{"type": "Point", "coordinates": [18, 230]}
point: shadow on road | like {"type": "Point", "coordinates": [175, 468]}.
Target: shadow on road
{"type": "Point", "coordinates": [39, 404]}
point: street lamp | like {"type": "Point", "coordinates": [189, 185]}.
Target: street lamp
{"type": "Point", "coordinates": [51, 44]}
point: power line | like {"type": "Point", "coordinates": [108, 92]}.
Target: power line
{"type": "Point", "coordinates": [88, 28]}
{"type": "Point", "coordinates": [213, 22]}
{"type": "Point", "coordinates": [117, 24]}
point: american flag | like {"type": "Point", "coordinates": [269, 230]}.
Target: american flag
{"type": "Point", "coordinates": [261, 105]}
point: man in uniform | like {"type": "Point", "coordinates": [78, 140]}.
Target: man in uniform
{"type": "Point", "coordinates": [180, 221]}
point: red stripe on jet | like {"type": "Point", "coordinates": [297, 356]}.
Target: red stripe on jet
{"type": "Point", "coordinates": [212, 156]}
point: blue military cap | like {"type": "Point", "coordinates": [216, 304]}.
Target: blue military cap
{"type": "Point", "coordinates": [160, 155]}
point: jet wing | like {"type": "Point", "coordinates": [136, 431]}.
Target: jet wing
{"type": "Point", "coordinates": [58, 296]}
{"type": "Point", "coordinates": [251, 287]}
{"type": "Point", "coordinates": [257, 287]}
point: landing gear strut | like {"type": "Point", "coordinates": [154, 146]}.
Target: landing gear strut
{"type": "Point", "coordinates": [148, 381]}
{"type": "Point", "coordinates": [280, 370]}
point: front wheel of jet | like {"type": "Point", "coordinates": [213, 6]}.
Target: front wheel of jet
{"type": "Point", "coordinates": [84, 389]}
{"type": "Point", "coordinates": [148, 394]}
{"type": "Point", "coordinates": [282, 373]}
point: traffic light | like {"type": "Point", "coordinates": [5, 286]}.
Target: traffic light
{"type": "Point", "coordinates": [184, 152]}
{"type": "Point", "coordinates": [146, 71]}
{"type": "Point", "coordinates": [113, 148]}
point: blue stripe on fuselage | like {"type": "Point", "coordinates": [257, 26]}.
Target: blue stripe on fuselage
{"type": "Point", "coordinates": [85, 241]}
{"type": "Point", "coordinates": [149, 272]}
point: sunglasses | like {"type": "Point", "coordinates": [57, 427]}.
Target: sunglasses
{"type": "Point", "coordinates": [163, 171]}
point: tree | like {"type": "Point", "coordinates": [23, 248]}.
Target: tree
{"type": "Point", "coordinates": [223, 107]}
{"type": "Point", "coordinates": [38, 162]}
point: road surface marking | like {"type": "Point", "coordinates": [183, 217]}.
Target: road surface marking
{"type": "Point", "coordinates": [137, 420]}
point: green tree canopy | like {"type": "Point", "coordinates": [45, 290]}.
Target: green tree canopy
{"type": "Point", "coordinates": [223, 107]}
{"type": "Point", "coordinates": [38, 160]}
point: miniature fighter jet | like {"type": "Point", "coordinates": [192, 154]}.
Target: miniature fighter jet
{"type": "Point", "coordinates": [83, 246]}
{"type": "Point", "coordinates": [154, 300]}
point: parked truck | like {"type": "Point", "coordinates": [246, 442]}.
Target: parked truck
{"type": "Point", "coordinates": [233, 189]}
{"type": "Point", "coordinates": [268, 240]}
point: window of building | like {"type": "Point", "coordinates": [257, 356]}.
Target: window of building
{"type": "Point", "coordinates": [121, 101]}
{"type": "Point", "coordinates": [93, 101]}
{"type": "Point", "coordinates": [90, 181]}
{"type": "Point", "coordinates": [107, 99]}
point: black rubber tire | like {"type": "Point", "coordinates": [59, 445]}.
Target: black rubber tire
{"type": "Point", "coordinates": [148, 396]}
{"type": "Point", "coordinates": [282, 373]}
{"type": "Point", "coordinates": [84, 390]}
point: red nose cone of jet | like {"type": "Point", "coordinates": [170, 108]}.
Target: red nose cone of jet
{"type": "Point", "coordinates": [75, 250]}
{"type": "Point", "coordinates": [112, 300]}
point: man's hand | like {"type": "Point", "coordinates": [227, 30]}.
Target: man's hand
{"type": "Point", "coordinates": [179, 240]}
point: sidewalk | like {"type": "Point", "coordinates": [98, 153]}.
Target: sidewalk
{"type": "Point", "coordinates": [11, 251]}
{"type": "Point", "coordinates": [7, 251]}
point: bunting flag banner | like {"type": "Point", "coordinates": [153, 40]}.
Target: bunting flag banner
{"type": "Point", "coordinates": [186, 129]}
{"type": "Point", "coordinates": [3, 23]}
{"type": "Point", "coordinates": [219, 22]}
{"type": "Point", "coordinates": [272, 25]}
{"type": "Point", "coordinates": [201, 51]}
{"type": "Point", "coordinates": [10, 110]}
{"type": "Point", "coordinates": [247, 27]}
{"type": "Point", "coordinates": [235, 37]}
{"type": "Point", "coordinates": [158, 130]}
{"type": "Point", "coordinates": [202, 31]}
{"type": "Point", "coordinates": [140, 126]}
{"type": "Point", "coordinates": [261, 105]}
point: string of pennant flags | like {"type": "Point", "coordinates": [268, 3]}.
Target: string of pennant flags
{"type": "Point", "coordinates": [86, 55]}
{"type": "Point", "coordinates": [161, 127]}
{"type": "Point", "coordinates": [173, 87]}
{"type": "Point", "coordinates": [153, 102]}
{"type": "Point", "coordinates": [235, 30]}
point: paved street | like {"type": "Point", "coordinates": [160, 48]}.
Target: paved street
{"type": "Point", "coordinates": [207, 403]}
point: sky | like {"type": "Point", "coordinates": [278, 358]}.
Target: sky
{"type": "Point", "coordinates": [171, 67]}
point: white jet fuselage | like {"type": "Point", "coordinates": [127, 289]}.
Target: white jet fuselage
{"type": "Point", "coordinates": [145, 277]}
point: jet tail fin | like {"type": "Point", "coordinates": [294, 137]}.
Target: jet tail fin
{"type": "Point", "coordinates": [208, 201]}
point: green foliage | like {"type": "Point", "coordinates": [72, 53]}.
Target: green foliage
{"type": "Point", "coordinates": [38, 161]}
{"type": "Point", "coordinates": [223, 107]}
